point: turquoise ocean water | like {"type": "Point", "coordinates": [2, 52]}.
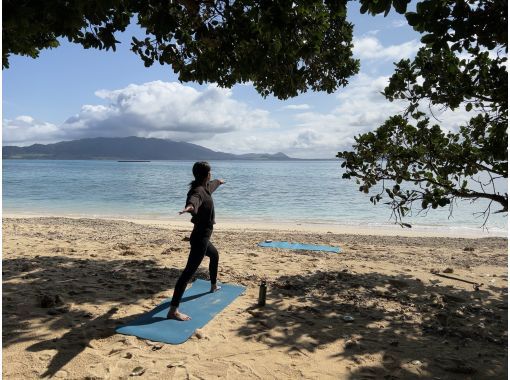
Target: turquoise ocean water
{"type": "Point", "coordinates": [256, 191]}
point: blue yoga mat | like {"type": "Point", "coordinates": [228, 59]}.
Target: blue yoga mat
{"type": "Point", "coordinates": [197, 302]}
{"type": "Point", "coordinates": [306, 247]}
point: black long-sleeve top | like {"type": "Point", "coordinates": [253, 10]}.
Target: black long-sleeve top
{"type": "Point", "coordinates": [203, 205]}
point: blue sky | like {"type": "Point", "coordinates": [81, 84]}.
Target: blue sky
{"type": "Point", "coordinates": [70, 93]}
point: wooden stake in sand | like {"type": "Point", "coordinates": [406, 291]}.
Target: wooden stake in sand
{"type": "Point", "coordinates": [476, 285]}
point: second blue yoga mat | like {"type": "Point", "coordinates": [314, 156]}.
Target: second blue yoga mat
{"type": "Point", "coordinates": [306, 247]}
{"type": "Point", "coordinates": [197, 302]}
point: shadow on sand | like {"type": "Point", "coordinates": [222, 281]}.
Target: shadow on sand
{"type": "Point", "coordinates": [76, 282]}
{"type": "Point", "coordinates": [410, 329]}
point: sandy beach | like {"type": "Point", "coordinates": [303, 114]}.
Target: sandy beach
{"type": "Point", "coordinates": [378, 310]}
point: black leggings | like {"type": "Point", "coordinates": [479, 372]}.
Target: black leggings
{"type": "Point", "coordinates": [200, 247]}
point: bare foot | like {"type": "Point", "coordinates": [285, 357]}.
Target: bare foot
{"type": "Point", "coordinates": [215, 288]}
{"type": "Point", "coordinates": [177, 316]}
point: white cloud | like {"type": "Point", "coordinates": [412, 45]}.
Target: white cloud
{"type": "Point", "coordinates": [155, 109]}
{"type": "Point", "coordinates": [448, 120]}
{"type": "Point", "coordinates": [360, 108]}
{"type": "Point", "coordinates": [212, 118]}
{"type": "Point", "coordinates": [369, 48]}
{"type": "Point", "coordinates": [297, 107]}
{"type": "Point", "coordinates": [25, 130]}
{"type": "Point", "coordinates": [295, 141]}
{"type": "Point", "coordinates": [168, 110]}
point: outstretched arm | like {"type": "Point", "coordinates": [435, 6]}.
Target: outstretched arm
{"type": "Point", "coordinates": [215, 183]}
{"type": "Point", "coordinates": [188, 208]}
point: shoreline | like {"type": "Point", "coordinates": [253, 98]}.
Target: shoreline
{"type": "Point", "coordinates": [288, 226]}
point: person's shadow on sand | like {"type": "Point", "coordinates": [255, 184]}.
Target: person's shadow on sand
{"type": "Point", "coordinates": [74, 342]}
{"type": "Point", "coordinates": [58, 275]}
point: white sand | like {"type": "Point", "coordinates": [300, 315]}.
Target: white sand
{"type": "Point", "coordinates": [408, 323]}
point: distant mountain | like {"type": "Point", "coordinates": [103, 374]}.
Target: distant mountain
{"type": "Point", "coordinates": [127, 148]}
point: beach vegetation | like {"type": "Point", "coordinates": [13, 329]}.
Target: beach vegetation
{"type": "Point", "coordinates": [414, 158]}
{"type": "Point", "coordinates": [281, 47]}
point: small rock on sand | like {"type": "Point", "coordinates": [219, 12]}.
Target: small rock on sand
{"type": "Point", "coordinates": [138, 371]}
{"type": "Point", "coordinates": [176, 364]}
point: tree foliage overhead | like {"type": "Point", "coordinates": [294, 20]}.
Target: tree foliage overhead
{"type": "Point", "coordinates": [462, 65]}
{"type": "Point", "coordinates": [284, 47]}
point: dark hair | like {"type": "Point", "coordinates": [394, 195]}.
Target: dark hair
{"type": "Point", "coordinates": [200, 171]}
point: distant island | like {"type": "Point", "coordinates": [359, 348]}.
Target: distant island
{"type": "Point", "coordinates": [128, 148]}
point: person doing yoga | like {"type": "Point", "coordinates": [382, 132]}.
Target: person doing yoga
{"type": "Point", "coordinates": [200, 204]}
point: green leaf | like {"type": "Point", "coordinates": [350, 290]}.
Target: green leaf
{"type": "Point", "coordinates": [390, 194]}
{"type": "Point", "coordinates": [364, 7]}
{"type": "Point", "coordinates": [428, 39]}
{"type": "Point", "coordinates": [413, 18]}
{"type": "Point", "coordinates": [400, 5]}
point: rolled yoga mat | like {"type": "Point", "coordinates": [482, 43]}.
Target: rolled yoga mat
{"type": "Point", "coordinates": [306, 247]}
{"type": "Point", "coordinates": [197, 302]}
